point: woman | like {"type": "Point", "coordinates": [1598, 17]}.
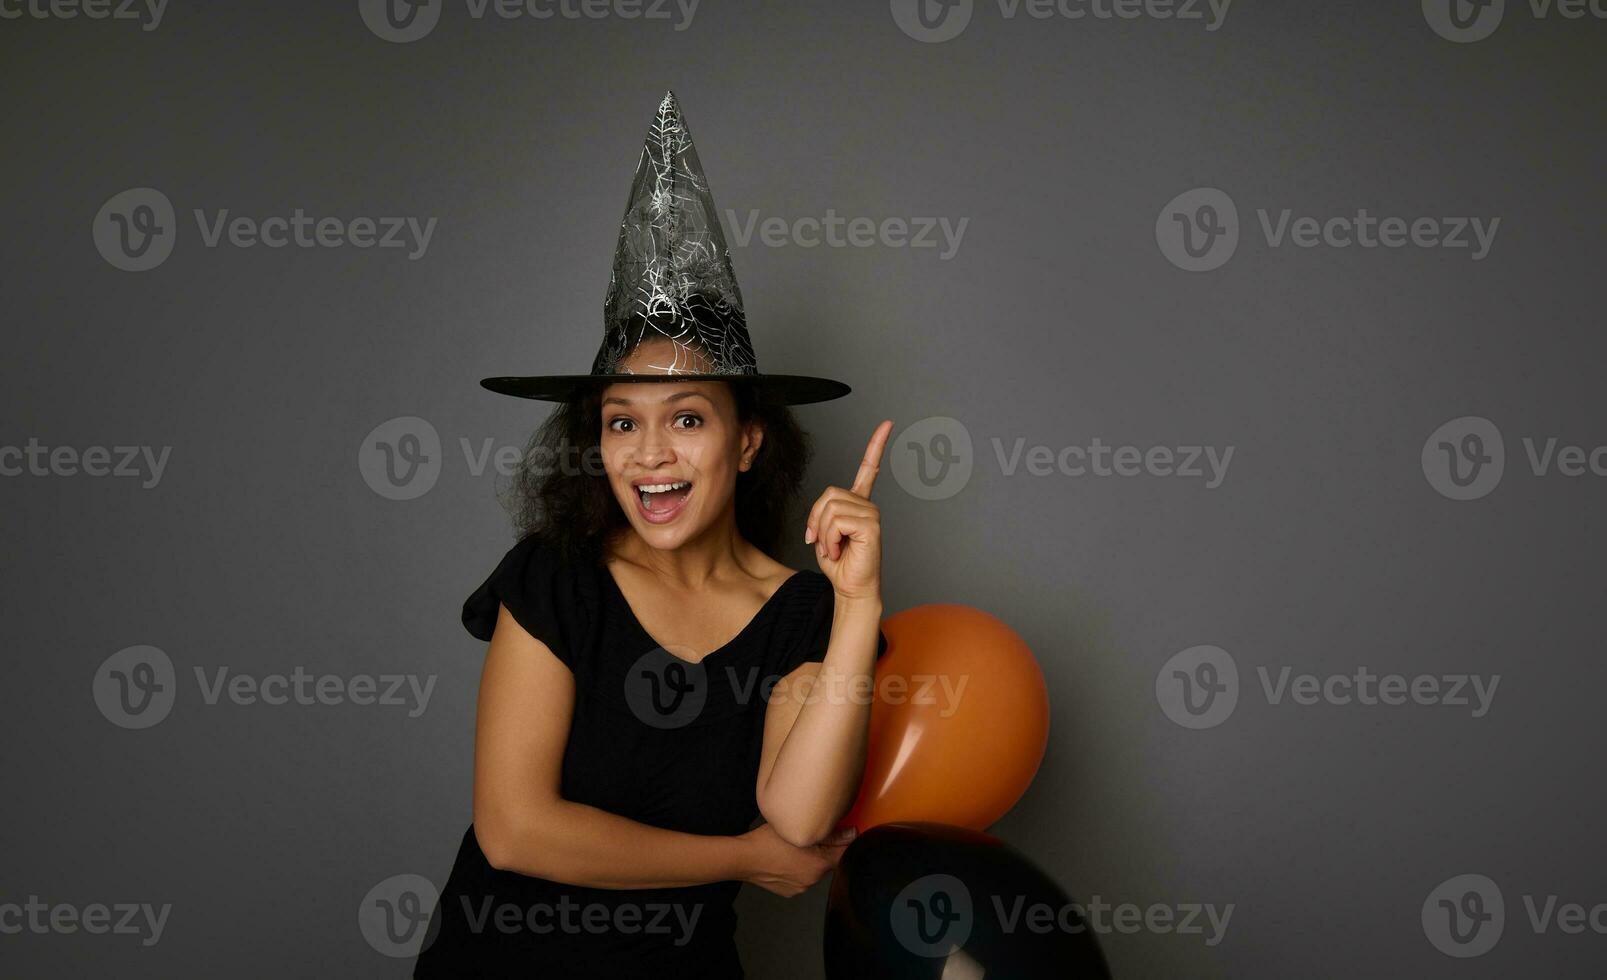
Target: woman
{"type": "Point", "coordinates": [656, 681]}
{"type": "Point", "coordinates": [574, 783]}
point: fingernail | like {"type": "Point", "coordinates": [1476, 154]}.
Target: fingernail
{"type": "Point", "coordinates": [809, 535]}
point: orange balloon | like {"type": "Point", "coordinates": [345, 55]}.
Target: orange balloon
{"type": "Point", "coordinates": [959, 724]}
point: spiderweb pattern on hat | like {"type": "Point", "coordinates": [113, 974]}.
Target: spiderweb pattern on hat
{"type": "Point", "coordinates": [672, 274]}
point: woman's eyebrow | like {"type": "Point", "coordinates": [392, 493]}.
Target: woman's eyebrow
{"type": "Point", "coordinates": [617, 400]}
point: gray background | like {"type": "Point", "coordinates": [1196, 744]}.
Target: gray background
{"type": "Point", "coordinates": [1058, 321]}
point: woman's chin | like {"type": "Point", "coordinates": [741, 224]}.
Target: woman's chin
{"type": "Point", "coordinates": [664, 537]}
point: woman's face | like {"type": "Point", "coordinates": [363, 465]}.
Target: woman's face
{"type": "Point", "coordinates": [672, 450]}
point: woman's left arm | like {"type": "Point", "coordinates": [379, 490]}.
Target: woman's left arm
{"type": "Point", "coordinates": [818, 718]}
{"type": "Point", "coordinates": [816, 728]}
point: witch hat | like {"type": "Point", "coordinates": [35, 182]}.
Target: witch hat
{"type": "Point", "coordinates": [672, 279]}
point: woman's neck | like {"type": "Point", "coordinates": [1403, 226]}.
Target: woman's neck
{"type": "Point", "coordinates": [719, 553]}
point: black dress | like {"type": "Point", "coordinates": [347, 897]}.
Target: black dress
{"type": "Point", "coordinates": [654, 738]}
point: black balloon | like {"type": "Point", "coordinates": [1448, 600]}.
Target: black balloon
{"type": "Point", "coordinates": [931, 900]}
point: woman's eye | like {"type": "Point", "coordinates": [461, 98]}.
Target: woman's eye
{"type": "Point", "coordinates": [624, 424]}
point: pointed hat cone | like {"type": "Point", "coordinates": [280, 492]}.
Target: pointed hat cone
{"type": "Point", "coordinates": [672, 279]}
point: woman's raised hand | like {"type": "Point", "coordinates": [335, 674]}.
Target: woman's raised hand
{"type": "Point", "coordinates": [846, 528]}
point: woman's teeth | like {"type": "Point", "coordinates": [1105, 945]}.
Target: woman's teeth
{"type": "Point", "coordinates": [648, 491]}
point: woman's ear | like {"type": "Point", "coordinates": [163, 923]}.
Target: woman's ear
{"type": "Point", "coordinates": [752, 439]}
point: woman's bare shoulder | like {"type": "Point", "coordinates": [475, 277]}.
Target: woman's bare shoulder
{"type": "Point", "coordinates": [768, 571]}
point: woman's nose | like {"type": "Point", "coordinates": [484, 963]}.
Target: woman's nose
{"type": "Point", "coordinates": [655, 450]}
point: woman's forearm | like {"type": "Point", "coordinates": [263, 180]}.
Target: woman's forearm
{"type": "Point", "coordinates": [818, 768]}
{"type": "Point", "coordinates": [583, 845]}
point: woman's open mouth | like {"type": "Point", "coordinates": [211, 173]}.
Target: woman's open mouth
{"type": "Point", "coordinates": [661, 503]}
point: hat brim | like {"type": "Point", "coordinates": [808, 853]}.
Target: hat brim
{"type": "Point", "coordinates": [788, 389]}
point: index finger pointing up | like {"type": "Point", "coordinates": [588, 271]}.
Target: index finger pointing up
{"type": "Point", "coordinates": [868, 467]}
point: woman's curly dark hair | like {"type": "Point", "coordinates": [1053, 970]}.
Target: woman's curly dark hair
{"type": "Point", "coordinates": [560, 493]}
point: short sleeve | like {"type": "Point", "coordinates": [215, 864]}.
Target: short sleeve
{"type": "Point", "coordinates": [527, 581]}
{"type": "Point", "coordinates": [815, 635]}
